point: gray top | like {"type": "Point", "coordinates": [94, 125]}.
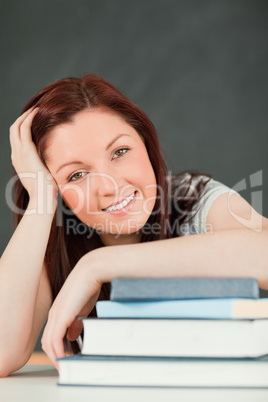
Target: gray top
{"type": "Point", "coordinates": [199, 222]}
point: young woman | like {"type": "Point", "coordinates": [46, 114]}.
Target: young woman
{"type": "Point", "coordinates": [89, 174]}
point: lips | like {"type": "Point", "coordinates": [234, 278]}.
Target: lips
{"type": "Point", "coordinates": [120, 205]}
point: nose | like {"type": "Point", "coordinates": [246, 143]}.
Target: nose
{"type": "Point", "coordinates": [105, 184]}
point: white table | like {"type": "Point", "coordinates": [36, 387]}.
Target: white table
{"type": "Point", "coordinates": [38, 383]}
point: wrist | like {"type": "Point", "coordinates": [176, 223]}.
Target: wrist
{"type": "Point", "coordinates": [99, 263]}
{"type": "Point", "coordinates": [40, 206]}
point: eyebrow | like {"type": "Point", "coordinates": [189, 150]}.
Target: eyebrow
{"type": "Point", "coordinates": [69, 163]}
{"type": "Point", "coordinates": [114, 140]}
{"type": "Point", "coordinates": [81, 163]}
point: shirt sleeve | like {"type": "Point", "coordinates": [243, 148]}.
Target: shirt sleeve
{"type": "Point", "coordinates": [214, 190]}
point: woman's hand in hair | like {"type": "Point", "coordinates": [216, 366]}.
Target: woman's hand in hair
{"type": "Point", "coordinates": [76, 298]}
{"type": "Point", "coordinates": [33, 174]}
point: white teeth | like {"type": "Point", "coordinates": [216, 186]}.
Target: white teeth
{"type": "Point", "coordinates": [123, 203]}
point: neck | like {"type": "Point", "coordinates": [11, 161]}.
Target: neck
{"type": "Point", "coordinates": [116, 239]}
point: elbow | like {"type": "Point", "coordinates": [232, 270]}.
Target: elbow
{"type": "Point", "coordinates": [9, 364]}
{"type": "Point", "coordinates": [263, 276]}
{"type": "Point", "coordinates": [4, 372]}
{"type": "Point", "coordinates": [261, 261]}
{"type": "Point", "coordinates": [13, 356]}
{"type": "Point", "coordinates": [5, 369]}
{"type": "Point", "coordinates": [263, 281]}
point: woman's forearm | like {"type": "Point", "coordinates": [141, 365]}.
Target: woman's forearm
{"type": "Point", "coordinates": [234, 253]}
{"type": "Point", "coordinates": [20, 270]}
{"type": "Point", "coordinates": [227, 253]}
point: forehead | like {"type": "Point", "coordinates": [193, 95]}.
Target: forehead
{"type": "Point", "coordinates": [94, 127]}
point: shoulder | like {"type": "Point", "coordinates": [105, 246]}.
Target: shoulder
{"type": "Point", "coordinates": [231, 211]}
{"type": "Point", "coordinates": [211, 191]}
{"type": "Point", "coordinates": [222, 208]}
{"type": "Point", "coordinates": [214, 189]}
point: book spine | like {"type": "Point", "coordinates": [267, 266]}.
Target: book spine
{"type": "Point", "coordinates": [132, 289]}
{"type": "Point", "coordinates": [200, 309]}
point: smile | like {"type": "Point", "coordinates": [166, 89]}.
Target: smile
{"type": "Point", "coordinates": [123, 204]}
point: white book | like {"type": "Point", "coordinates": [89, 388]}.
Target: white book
{"type": "Point", "coordinates": [162, 372]}
{"type": "Point", "coordinates": [175, 337]}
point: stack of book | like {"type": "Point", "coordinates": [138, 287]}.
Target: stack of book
{"type": "Point", "coordinates": [174, 332]}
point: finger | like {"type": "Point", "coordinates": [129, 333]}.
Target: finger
{"type": "Point", "coordinates": [15, 129]}
{"type": "Point", "coordinates": [50, 356]}
{"type": "Point", "coordinates": [53, 350]}
{"type": "Point", "coordinates": [74, 330]}
{"type": "Point", "coordinates": [52, 340]}
{"type": "Point", "coordinates": [25, 128]}
{"type": "Point", "coordinates": [45, 343]}
{"type": "Point", "coordinates": [58, 351]}
{"type": "Point", "coordinates": [22, 117]}
{"type": "Point", "coordinates": [51, 353]}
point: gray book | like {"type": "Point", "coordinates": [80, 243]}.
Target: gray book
{"type": "Point", "coordinates": [131, 289]}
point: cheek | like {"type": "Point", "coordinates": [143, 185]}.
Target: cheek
{"type": "Point", "coordinates": [145, 178]}
{"type": "Point", "coordinates": [149, 180]}
{"type": "Point", "coordinates": [143, 169]}
{"type": "Point", "coordinates": [75, 199]}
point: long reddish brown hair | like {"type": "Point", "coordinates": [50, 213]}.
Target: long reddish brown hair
{"type": "Point", "coordinates": [58, 103]}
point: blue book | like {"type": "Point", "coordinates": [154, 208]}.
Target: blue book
{"type": "Point", "coordinates": [191, 308]}
{"type": "Point", "coordinates": [132, 289]}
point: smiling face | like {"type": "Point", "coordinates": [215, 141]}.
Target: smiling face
{"type": "Point", "coordinates": [104, 174]}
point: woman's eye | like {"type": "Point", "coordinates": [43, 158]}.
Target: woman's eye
{"type": "Point", "coordinates": [120, 152]}
{"type": "Point", "coordinates": [76, 176]}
